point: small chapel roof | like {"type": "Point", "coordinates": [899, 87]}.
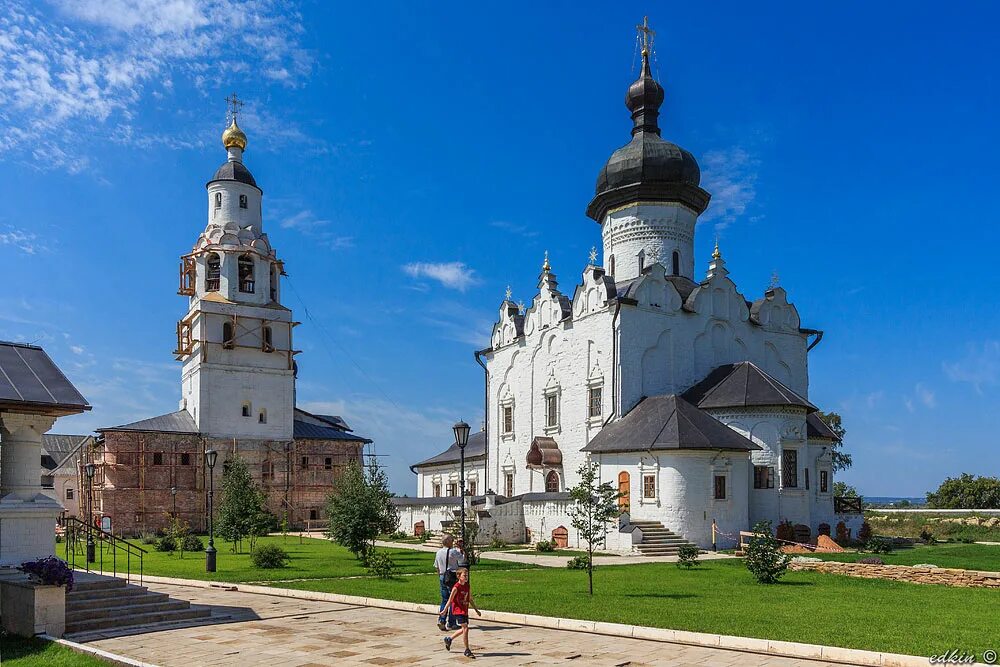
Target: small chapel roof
{"type": "Point", "coordinates": [474, 449]}
{"type": "Point", "coordinates": [667, 422]}
{"type": "Point", "coordinates": [29, 379]}
{"type": "Point", "coordinates": [172, 422]}
{"type": "Point", "coordinates": [743, 385]}
{"type": "Point", "coordinates": [816, 428]}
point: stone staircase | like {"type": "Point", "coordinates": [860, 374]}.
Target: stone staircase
{"type": "Point", "coordinates": [99, 603]}
{"type": "Point", "coordinates": [657, 540]}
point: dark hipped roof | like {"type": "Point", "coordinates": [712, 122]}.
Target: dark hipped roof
{"type": "Point", "coordinates": [29, 378]}
{"type": "Point", "coordinates": [57, 448]}
{"type": "Point", "coordinates": [474, 449]}
{"type": "Point", "coordinates": [303, 430]}
{"type": "Point", "coordinates": [667, 422]}
{"type": "Point", "coordinates": [743, 385]}
{"type": "Point", "coordinates": [173, 422]}
{"type": "Point", "coordinates": [817, 428]}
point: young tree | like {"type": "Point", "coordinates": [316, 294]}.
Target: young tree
{"type": "Point", "coordinates": [841, 460]}
{"type": "Point", "coordinates": [966, 492]}
{"type": "Point", "coordinates": [242, 511]}
{"type": "Point", "coordinates": [596, 506]}
{"type": "Point", "coordinates": [361, 509]}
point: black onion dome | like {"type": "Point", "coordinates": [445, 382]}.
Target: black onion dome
{"type": "Point", "coordinates": [648, 168]}
{"type": "Point", "coordinates": [234, 171]}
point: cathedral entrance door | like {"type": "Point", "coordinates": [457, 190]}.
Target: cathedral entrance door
{"type": "Point", "coordinates": [623, 489]}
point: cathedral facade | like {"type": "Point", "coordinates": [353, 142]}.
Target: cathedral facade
{"type": "Point", "coordinates": [690, 397]}
{"type": "Point", "coordinates": [235, 343]}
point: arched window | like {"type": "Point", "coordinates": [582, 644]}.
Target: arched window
{"type": "Point", "coordinates": [228, 340]}
{"type": "Point", "coordinates": [274, 282]}
{"type": "Point", "coordinates": [246, 274]}
{"type": "Point", "coordinates": [218, 200]}
{"type": "Point", "coordinates": [246, 409]}
{"type": "Point", "coordinates": [642, 260]}
{"type": "Point", "coordinates": [213, 273]}
{"type": "Point", "coordinates": [266, 343]}
{"type": "Point", "coordinates": [611, 266]}
{"type": "Point", "coordinates": [243, 201]}
{"type": "Point", "coordinates": [675, 263]}
{"type": "Point", "coordinates": [552, 482]}
{"type": "Point", "coordinates": [262, 417]}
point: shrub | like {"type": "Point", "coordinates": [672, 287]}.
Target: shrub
{"type": "Point", "coordinates": [872, 560]}
{"type": "Point", "coordinates": [59, 539]}
{"type": "Point", "coordinates": [380, 564]}
{"type": "Point", "coordinates": [192, 543]}
{"type": "Point", "coordinates": [398, 535]}
{"type": "Point", "coordinates": [148, 538]}
{"type": "Point", "coordinates": [763, 555]}
{"type": "Point", "coordinates": [687, 556]}
{"type": "Point", "coordinates": [545, 545]}
{"type": "Point", "coordinates": [428, 534]}
{"type": "Point", "coordinates": [269, 556]}
{"type": "Point", "coordinates": [578, 563]}
{"type": "Point", "coordinates": [878, 545]}
{"type": "Point", "coordinates": [926, 535]}
{"type": "Point", "coordinates": [843, 537]}
{"type": "Point", "coordinates": [50, 571]}
{"type": "Point", "coordinates": [786, 531]}
{"type": "Point", "coordinates": [166, 543]}
{"type": "Point", "coordinates": [864, 533]}
{"type": "Point", "coordinates": [498, 543]}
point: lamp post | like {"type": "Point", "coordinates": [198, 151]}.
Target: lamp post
{"type": "Point", "coordinates": [90, 469]}
{"type": "Point", "coordinates": [173, 495]}
{"type": "Point", "coordinates": [461, 430]}
{"type": "Point", "coordinates": [210, 456]}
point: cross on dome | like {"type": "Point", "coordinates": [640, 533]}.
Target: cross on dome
{"type": "Point", "coordinates": [593, 255]}
{"type": "Point", "coordinates": [235, 105]}
{"type": "Point", "coordinates": [646, 34]}
{"type": "Point", "coordinates": [233, 136]}
{"type": "Point", "coordinates": [546, 267]}
{"type": "Point", "coordinates": [508, 293]}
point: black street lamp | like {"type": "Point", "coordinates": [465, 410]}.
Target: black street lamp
{"type": "Point", "coordinates": [173, 494]}
{"type": "Point", "coordinates": [210, 457]}
{"type": "Point", "coordinates": [461, 430]}
{"type": "Point", "coordinates": [90, 469]}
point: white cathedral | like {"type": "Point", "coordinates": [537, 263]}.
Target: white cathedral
{"type": "Point", "coordinates": [691, 398]}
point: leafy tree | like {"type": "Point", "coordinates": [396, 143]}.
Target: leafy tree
{"type": "Point", "coordinates": [242, 512]}
{"type": "Point", "coordinates": [966, 492]}
{"type": "Point", "coordinates": [763, 555]}
{"type": "Point", "coordinates": [841, 459]}
{"type": "Point", "coordinates": [177, 530]}
{"type": "Point", "coordinates": [596, 506]}
{"type": "Point", "coordinates": [843, 490]}
{"type": "Point", "coordinates": [361, 509]}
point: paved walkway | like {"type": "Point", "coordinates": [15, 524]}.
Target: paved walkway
{"type": "Point", "coordinates": [286, 632]}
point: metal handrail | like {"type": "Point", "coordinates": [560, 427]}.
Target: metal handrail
{"type": "Point", "coordinates": [77, 531]}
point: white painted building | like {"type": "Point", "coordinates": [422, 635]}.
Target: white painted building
{"type": "Point", "coordinates": [638, 367]}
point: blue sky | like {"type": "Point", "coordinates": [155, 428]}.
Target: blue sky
{"type": "Point", "coordinates": [418, 158]}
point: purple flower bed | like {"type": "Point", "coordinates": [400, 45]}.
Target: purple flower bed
{"type": "Point", "coordinates": [50, 571]}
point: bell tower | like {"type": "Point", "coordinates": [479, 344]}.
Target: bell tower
{"type": "Point", "coordinates": [238, 377]}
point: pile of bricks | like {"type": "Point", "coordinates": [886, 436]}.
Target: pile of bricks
{"type": "Point", "coordinates": [917, 575]}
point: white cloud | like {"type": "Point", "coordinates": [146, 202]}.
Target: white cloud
{"type": "Point", "coordinates": [980, 367]}
{"type": "Point", "coordinates": [453, 275]}
{"type": "Point", "coordinates": [76, 349]}
{"type": "Point", "coordinates": [514, 228]}
{"type": "Point", "coordinates": [310, 225]}
{"type": "Point", "coordinates": [730, 176]}
{"type": "Point", "coordinates": [23, 240]}
{"type": "Point", "coordinates": [923, 395]}
{"type": "Point", "coordinates": [89, 63]}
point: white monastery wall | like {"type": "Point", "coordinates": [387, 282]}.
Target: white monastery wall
{"type": "Point", "coordinates": [449, 473]}
{"type": "Point", "coordinates": [639, 235]}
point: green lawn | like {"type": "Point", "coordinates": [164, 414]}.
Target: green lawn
{"type": "Point", "coordinates": [21, 652]}
{"type": "Point", "coordinates": [310, 559]}
{"type": "Point", "coordinates": [721, 597]}
{"type": "Point", "coordinates": [966, 556]}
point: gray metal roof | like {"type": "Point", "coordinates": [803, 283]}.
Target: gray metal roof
{"type": "Point", "coordinates": [303, 430]}
{"type": "Point", "coordinates": [336, 421]}
{"type": "Point", "coordinates": [234, 171]}
{"type": "Point", "coordinates": [743, 385]}
{"type": "Point", "coordinates": [173, 422]}
{"type": "Point", "coordinates": [817, 428]}
{"type": "Point", "coordinates": [474, 449]}
{"type": "Point", "coordinates": [441, 500]}
{"type": "Point", "coordinates": [56, 448]}
{"type": "Point", "coordinates": [666, 422]}
{"type": "Point", "coordinates": [29, 378]}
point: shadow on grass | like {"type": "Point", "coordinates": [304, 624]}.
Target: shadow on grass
{"type": "Point", "coordinates": [666, 596]}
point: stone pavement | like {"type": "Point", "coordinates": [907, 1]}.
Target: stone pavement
{"type": "Point", "coordinates": [256, 629]}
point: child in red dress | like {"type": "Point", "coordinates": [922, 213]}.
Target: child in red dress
{"type": "Point", "coordinates": [459, 603]}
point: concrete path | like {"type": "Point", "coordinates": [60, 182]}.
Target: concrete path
{"type": "Point", "coordinates": [287, 632]}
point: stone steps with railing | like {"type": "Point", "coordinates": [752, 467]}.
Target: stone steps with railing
{"type": "Point", "coordinates": [108, 603]}
{"type": "Point", "coordinates": [657, 540]}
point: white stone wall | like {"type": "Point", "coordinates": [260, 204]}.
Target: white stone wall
{"type": "Point", "coordinates": [431, 514]}
{"type": "Point", "coordinates": [427, 476]}
{"type": "Point", "coordinates": [646, 233]}
{"type": "Point", "coordinates": [541, 517]}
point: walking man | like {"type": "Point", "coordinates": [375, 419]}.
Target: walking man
{"type": "Point", "coordinates": [446, 564]}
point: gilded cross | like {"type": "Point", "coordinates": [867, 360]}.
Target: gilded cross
{"type": "Point", "coordinates": [647, 35]}
{"type": "Point", "coordinates": [235, 104]}
{"type": "Point", "coordinates": [593, 255]}
{"type": "Point", "coordinates": [508, 293]}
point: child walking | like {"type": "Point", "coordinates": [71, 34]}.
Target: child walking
{"type": "Point", "coordinates": [459, 602]}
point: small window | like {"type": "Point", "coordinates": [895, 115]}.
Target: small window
{"type": "Point", "coordinates": [611, 266]}
{"type": "Point", "coordinates": [452, 489]}
{"type": "Point", "coordinates": [437, 490]}
{"type": "Point", "coordinates": [806, 478]}
{"type": "Point", "coordinates": [157, 458]}
{"type": "Point", "coordinates": [642, 260]}
{"type": "Point", "coordinates": [763, 477]}
{"type": "Point", "coordinates": [508, 484]}
{"type": "Point", "coordinates": [552, 482]}
{"type": "Point", "coordinates": [218, 200]}
{"type": "Point", "coordinates": [594, 402]}
{"type": "Point", "coordinates": [69, 494]}
{"type": "Point", "coordinates": [649, 486]}
{"type": "Point", "coordinates": [213, 273]}
{"type": "Point", "coordinates": [243, 201]}
{"type": "Point", "coordinates": [328, 463]}
{"type": "Point", "coordinates": [246, 410]}
{"type": "Point", "coordinates": [720, 487]}
{"type": "Point", "coordinates": [267, 470]}
{"type": "Point", "coordinates": [552, 410]}
{"type": "Point", "coordinates": [274, 282]}
{"type": "Point", "coordinates": [245, 265]}
{"type": "Point", "coordinates": [472, 487]}
{"type": "Point", "coordinates": [228, 340]}
{"type": "Point", "coordinates": [675, 263]}
{"type": "Point", "coordinates": [266, 343]}
{"type": "Point", "coordinates": [790, 469]}
{"type": "Point", "coordinates": [305, 462]}
{"type": "Point", "coordinates": [508, 419]}
{"type": "Point", "coordinates": [314, 515]}
{"type": "Point", "coordinates": [185, 459]}
{"type": "Point", "coordinates": [262, 417]}
{"type": "Point", "coordinates": [824, 481]}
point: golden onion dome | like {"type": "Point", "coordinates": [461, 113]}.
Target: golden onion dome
{"type": "Point", "coordinates": [234, 136]}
